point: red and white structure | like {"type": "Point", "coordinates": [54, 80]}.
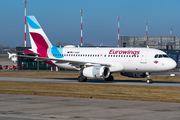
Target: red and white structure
{"type": "Point", "coordinates": [146, 28]}
{"type": "Point", "coordinates": [25, 23]}
{"type": "Point", "coordinates": [81, 26]}
{"type": "Point", "coordinates": [118, 29]}
{"type": "Point", "coordinates": [170, 32]}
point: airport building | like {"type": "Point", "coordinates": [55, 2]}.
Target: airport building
{"type": "Point", "coordinates": [160, 42]}
{"type": "Point", "coordinates": [170, 45]}
{"type": "Point", "coordinates": [31, 64]}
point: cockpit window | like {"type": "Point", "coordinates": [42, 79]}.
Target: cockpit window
{"type": "Point", "coordinates": [165, 56]}
{"type": "Point", "coordinates": [156, 56]}
{"type": "Point", "coordinates": [161, 56]}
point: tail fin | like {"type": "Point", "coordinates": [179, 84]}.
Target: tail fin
{"type": "Point", "coordinates": [38, 38]}
{"type": "Point", "coordinates": [10, 55]}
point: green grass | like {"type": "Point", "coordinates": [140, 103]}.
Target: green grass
{"type": "Point", "coordinates": [118, 92]}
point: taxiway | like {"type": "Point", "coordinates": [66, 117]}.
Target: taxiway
{"type": "Point", "coordinates": [23, 107]}
{"type": "Point", "coordinates": [91, 81]}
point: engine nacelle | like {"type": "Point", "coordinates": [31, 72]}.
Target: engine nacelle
{"type": "Point", "coordinates": [134, 74]}
{"type": "Point", "coordinates": [96, 72]}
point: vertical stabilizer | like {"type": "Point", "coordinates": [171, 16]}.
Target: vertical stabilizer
{"type": "Point", "coordinates": [38, 38]}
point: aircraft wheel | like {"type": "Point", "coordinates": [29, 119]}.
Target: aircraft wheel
{"type": "Point", "coordinates": [149, 81]}
{"type": "Point", "coordinates": [82, 79]}
{"type": "Point", "coordinates": [110, 78]}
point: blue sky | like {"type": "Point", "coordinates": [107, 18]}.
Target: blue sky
{"type": "Point", "coordinates": [60, 19]}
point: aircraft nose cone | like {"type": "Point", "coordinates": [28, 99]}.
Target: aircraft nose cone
{"type": "Point", "coordinates": [172, 64]}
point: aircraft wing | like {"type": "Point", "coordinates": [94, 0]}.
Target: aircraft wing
{"type": "Point", "coordinates": [14, 51]}
{"type": "Point", "coordinates": [77, 64]}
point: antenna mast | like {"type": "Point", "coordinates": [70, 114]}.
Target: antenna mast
{"type": "Point", "coordinates": [25, 23]}
{"type": "Point", "coordinates": [81, 26]}
{"type": "Point", "coordinates": [118, 29]}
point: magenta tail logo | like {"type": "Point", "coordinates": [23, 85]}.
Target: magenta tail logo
{"type": "Point", "coordinates": [41, 44]}
{"type": "Point", "coordinates": [39, 41]}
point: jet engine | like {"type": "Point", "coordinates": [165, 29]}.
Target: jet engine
{"type": "Point", "coordinates": [96, 72]}
{"type": "Point", "coordinates": [134, 74]}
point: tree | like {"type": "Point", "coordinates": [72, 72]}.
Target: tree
{"type": "Point", "coordinates": [63, 43]}
{"type": "Point", "coordinates": [88, 44]}
{"type": "Point", "coordinates": [1, 49]}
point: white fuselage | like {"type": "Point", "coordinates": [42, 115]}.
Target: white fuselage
{"type": "Point", "coordinates": [118, 59]}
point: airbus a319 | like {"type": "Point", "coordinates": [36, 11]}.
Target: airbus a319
{"type": "Point", "coordinates": [96, 62]}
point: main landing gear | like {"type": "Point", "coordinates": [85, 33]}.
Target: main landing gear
{"type": "Point", "coordinates": [149, 80]}
{"type": "Point", "coordinates": [82, 79]}
{"type": "Point", "coordinates": [109, 79]}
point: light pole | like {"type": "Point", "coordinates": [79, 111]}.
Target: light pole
{"type": "Point", "coordinates": [25, 23]}
{"type": "Point", "coordinates": [118, 30]}
{"type": "Point", "coordinates": [81, 26]}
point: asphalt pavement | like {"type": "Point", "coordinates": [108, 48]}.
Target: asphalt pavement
{"type": "Point", "coordinates": [23, 107]}
{"type": "Point", "coordinates": [92, 81]}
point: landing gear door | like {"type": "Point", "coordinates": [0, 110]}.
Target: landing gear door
{"type": "Point", "coordinates": [144, 57]}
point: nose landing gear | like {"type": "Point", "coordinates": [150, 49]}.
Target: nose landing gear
{"type": "Point", "coordinates": [149, 80]}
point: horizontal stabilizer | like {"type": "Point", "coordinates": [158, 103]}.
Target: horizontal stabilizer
{"type": "Point", "coordinates": [30, 53]}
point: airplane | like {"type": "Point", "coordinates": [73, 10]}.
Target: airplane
{"type": "Point", "coordinates": [13, 57]}
{"type": "Point", "coordinates": [96, 62]}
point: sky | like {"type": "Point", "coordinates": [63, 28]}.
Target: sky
{"type": "Point", "coordinates": [61, 19]}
